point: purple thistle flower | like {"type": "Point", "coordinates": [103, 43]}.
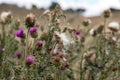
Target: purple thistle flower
{"type": "Point", "coordinates": [18, 54]}
{"type": "Point", "coordinates": [20, 33]}
{"type": "Point", "coordinates": [39, 43]}
{"type": "Point", "coordinates": [77, 32]}
{"type": "Point", "coordinates": [33, 30]}
{"type": "Point", "coordinates": [30, 60]}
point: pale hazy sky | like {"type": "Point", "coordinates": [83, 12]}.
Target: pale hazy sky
{"type": "Point", "coordinates": [93, 7]}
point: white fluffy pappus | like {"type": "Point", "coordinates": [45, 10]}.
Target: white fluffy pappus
{"type": "Point", "coordinates": [92, 32]}
{"type": "Point", "coordinates": [66, 39]}
{"type": "Point", "coordinates": [4, 15]}
{"type": "Point", "coordinates": [114, 26]}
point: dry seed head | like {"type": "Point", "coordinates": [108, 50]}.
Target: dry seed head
{"type": "Point", "coordinates": [30, 20]}
{"type": "Point", "coordinates": [56, 59]}
{"type": "Point", "coordinates": [57, 37]}
{"type": "Point", "coordinates": [61, 45]}
{"type": "Point", "coordinates": [46, 12]}
{"type": "Point", "coordinates": [61, 55]}
{"type": "Point", "coordinates": [100, 28]}
{"type": "Point", "coordinates": [92, 32]}
{"type": "Point", "coordinates": [72, 30]}
{"type": "Point", "coordinates": [107, 13]}
{"type": "Point", "coordinates": [90, 56]}
{"type": "Point", "coordinates": [65, 65]}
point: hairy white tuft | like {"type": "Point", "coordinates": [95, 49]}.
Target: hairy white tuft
{"type": "Point", "coordinates": [114, 26]}
{"type": "Point", "coordinates": [4, 15]}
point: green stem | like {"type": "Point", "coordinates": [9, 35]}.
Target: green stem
{"type": "Point", "coordinates": [81, 73]}
{"type": "Point", "coordinates": [105, 44]}
{"type": "Point", "coordinates": [33, 45]}
{"type": "Point", "coordinates": [26, 50]}
{"type": "Point", "coordinates": [3, 35]}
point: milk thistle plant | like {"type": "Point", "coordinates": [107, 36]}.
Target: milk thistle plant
{"type": "Point", "coordinates": [53, 53]}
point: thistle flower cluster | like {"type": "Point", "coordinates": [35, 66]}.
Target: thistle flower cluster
{"type": "Point", "coordinates": [59, 57]}
{"type": "Point", "coordinates": [49, 52]}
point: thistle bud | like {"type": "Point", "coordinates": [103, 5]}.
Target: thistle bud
{"type": "Point", "coordinates": [30, 20]}
{"type": "Point", "coordinates": [18, 54]}
{"type": "Point", "coordinates": [107, 13]}
{"type": "Point", "coordinates": [86, 22]}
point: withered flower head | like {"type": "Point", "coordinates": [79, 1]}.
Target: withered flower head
{"type": "Point", "coordinates": [107, 13]}
{"type": "Point", "coordinates": [30, 20]}
{"type": "Point", "coordinates": [57, 37]}
{"type": "Point", "coordinates": [90, 56]}
{"type": "Point", "coordinates": [100, 28]}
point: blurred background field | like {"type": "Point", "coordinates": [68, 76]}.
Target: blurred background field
{"type": "Point", "coordinates": [74, 19]}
